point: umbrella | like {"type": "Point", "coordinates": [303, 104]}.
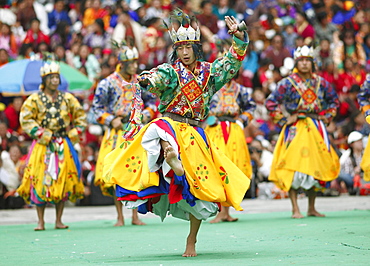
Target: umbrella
{"type": "Point", "coordinates": [22, 77]}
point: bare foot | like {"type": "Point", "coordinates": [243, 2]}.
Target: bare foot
{"type": "Point", "coordinates": [137, 222]}
{"type": "Point", "coordinates": [190, 248]}
{"type": "Point", "coordinates": [297, 215]}
{"type": "Point", "coordinates": [230, 219]}
{"type": "Point", "coordinates": [119, 223]}
{"type": "Point", "coordinates": [215, 220]}
{"type": "Point", "coordinates": [40, 227]}
{"type": "Point", "coordinates": [315, 213]}
{"type": "Point", "coordinates": [61, 226]}
{"type": "Point", "coordinates": [173, 161]}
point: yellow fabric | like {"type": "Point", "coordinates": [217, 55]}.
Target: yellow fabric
{"type": "Point", "coordinates": [115, 138]}
{"type": "Point", "coordinates": [210, 174]}
{"type": "Point", "coordinates": [365, 163]}
{"type": "Point", "coordinates": [67, 185]}
{"type": "Point", "coordinates": [307, 153]}
{"type": "Point", "coordinates": [236, 147]}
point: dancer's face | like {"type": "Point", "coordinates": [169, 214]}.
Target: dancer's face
{"type": "Point", "coordinates": [304, 65]}
{"type": "Point", "coordinates": [52, 82]}
{"type": "Point", "coordinates": [186, 54]}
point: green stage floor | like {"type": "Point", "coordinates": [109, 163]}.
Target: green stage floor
{"type": "Point", "coordinates": [342, 238]}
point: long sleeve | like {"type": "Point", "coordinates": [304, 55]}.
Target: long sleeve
{"type": "Point", "coordinates": [101, 100]}
{"type": "Point", "coordinates": [364, 97]}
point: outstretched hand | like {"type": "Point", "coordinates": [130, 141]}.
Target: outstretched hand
{"type": "Point", "coordinates": [143, 80]}
{"type": "Point", "coordinates": [232, 24]}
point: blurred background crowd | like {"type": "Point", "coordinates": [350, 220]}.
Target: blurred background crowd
{"type": "Point", "coordinates": [79, 33]}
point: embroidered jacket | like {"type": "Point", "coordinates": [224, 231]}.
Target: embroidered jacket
{"type": "Point", "coordinates": [315, 96]}
{"type": "Point", "coordinates": [37, 122]}
{"type": "Point", "coordinates": [233, 100]}
{"type": "Point", "coordinates": [113, 98]}
{"type": "Point", "coordinates": [187, 94]}
{"type": "Point", "coordinates": [364, 97]}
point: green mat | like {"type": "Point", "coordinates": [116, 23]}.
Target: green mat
{"type": "Point", "coordinates": [256, 239]}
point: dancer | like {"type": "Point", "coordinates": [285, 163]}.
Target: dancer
{"type": "Point", "coordinates": [111, 107]}
{"type": "Point", "coordinates": [231, 109]}
{"type": "Point", "coordinates": [55, 121]}
{"type": "Point", "coordinates": [364, 101]}
{"type": "Point", "coordinates": [173, 167]}
{"type": "Point", "coordinates": [303, 156]}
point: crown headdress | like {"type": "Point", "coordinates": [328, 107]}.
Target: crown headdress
{"type": "Point", "coordinates": [303, 51]}
{"type": "Point", "coordinates": [50, 65]}
{"type": "Point", "coordinates": [185, 33]}
{"type": "Point", "coordinates": [126, 53]}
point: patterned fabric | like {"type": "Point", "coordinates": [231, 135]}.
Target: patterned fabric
{"type": "Point", "coordinates": [303, 146]}
{"type": "Point", "coordinates": [113, 97]}
{"type": "Point", "coordinates": [364, 97]}
{"type": "Point", "coordinates": [53, 168]}
{"type": "Point", "coordinates": [289, 92]}
{"type": "Point", "coordinates": [233, 100]}
{"type": "Point", "coordinates": [167, 82]}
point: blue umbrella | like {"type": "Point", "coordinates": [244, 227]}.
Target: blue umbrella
{"type": "Point", "coordinates": [22, 77]}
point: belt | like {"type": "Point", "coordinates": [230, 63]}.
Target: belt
{"type": "Point", "coordinates": [226, 118]}
{"type": "Point", "coordinates": [311, 115]}
{"type": "Point", "coordinates": [179, 118]}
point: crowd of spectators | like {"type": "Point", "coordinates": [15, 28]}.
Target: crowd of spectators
{"type": "Point", "coordinates": [79, 33]}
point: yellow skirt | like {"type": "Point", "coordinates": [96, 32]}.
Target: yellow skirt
{"type": "Point", "coordinates": [365, 163]}
{"type": "Point", "coordinates": [39, 189]}
{"type": "Point", "coordinates": [210, 174]}
{"type": "Point", "coordinates": [236, 146]}
{"type": "Point", "coordinates": [307, 151]}
{"type": "Point", "coordinates": [111, 139]}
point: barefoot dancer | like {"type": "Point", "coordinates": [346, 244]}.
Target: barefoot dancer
{"type": "Point", "coordinates": [174, 168]}
{"type": "Point", "coordinates": [303, 155]}
{"type": "Point", "coordinates": [111, 107]}
{"type": "Point", "coordinates": [231, 109]}
{"type": "Point", "coordinates": [53, 169]}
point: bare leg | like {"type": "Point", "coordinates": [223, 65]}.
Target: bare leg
{"type": "Point", "coordinates": [295, 209]}
{"type": "Point", "coordinates": [135, 218]}
{"type": "Point", "coordinates": [59, 207]}
{"type": "Point", "coordinates": [311, 204]}
{"type": "Point", "coordinates": [223, 216]}
{"type": "Point", "coordinates": [40, 215]}
{"type": "Point", "coordinates": [192, 237]}
{"type": "Point", "coordinates": [120, 218]}
{"type": "Point", "coordinates": [171, 158]}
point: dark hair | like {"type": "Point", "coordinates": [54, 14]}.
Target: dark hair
{"type": "Point", "coordinates": [197, 49]}
{"type": "Point", "coordinates": [100, 23]}
{"type": "Point", "coordinates": [204, 2]}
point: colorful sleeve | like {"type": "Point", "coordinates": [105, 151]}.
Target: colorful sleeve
{"type": "Point", "coordinates": [332, 101]}
{"type": "Point", "coordinates": [364, 97]}
{"type": "Point", "coordinates": [150, 106]}
{"type": "Point", "coordinates": [248, 105]}
{"type": "Point", "coordinates": [100, 102]}
{"type": "Point", "coordinates": [273, 102]}
{"type": "Point", "coordinates": [79, 117]}
{"type": "Point", "coordinates": [162, 79]}
{"type": "Point", "coordinates": [29, 123]}
{"type": "Point", "coordinates": [225, 68]}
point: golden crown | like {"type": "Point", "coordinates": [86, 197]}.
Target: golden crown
{"type": "Point", "coordinates": [185, 33]}
{"type": "Point", "coordinates": [126, 53]}
{"type": "Point", "coordinates": [303, 51]}
{"type": "Point", "coordinates": [49, 68]}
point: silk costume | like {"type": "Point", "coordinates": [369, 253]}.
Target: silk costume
{"type": "Point", "coordinates": [53, 169]}
{"type": "Point", "coordinates": [145, 181]}
{"type": "Point", "coordinates": [303, 155]}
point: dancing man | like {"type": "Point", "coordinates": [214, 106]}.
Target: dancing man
{"type": "Point", "coordinates": [170, 166]}
{"type": "Point", "coordinates": [54, 120]}
{"type": "Point", "coordinates": [112, 107]}
{"type": "Point", "coordinates": [231, 109]}
{"type": "Point", "coordinates": [303, 156]}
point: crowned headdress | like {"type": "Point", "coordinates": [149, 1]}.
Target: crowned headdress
{"type": "Point", "coordinates": [303, 51]}
{"type": "Point", "coordinates": [185, 33]}
{"type": "Point", "coordinates": [126, 53]}
{"type": "Point", "coordinates": [49, 67]}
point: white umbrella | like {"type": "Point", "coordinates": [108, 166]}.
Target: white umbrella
{"type": "Point", "coordinates": [7, 16]}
